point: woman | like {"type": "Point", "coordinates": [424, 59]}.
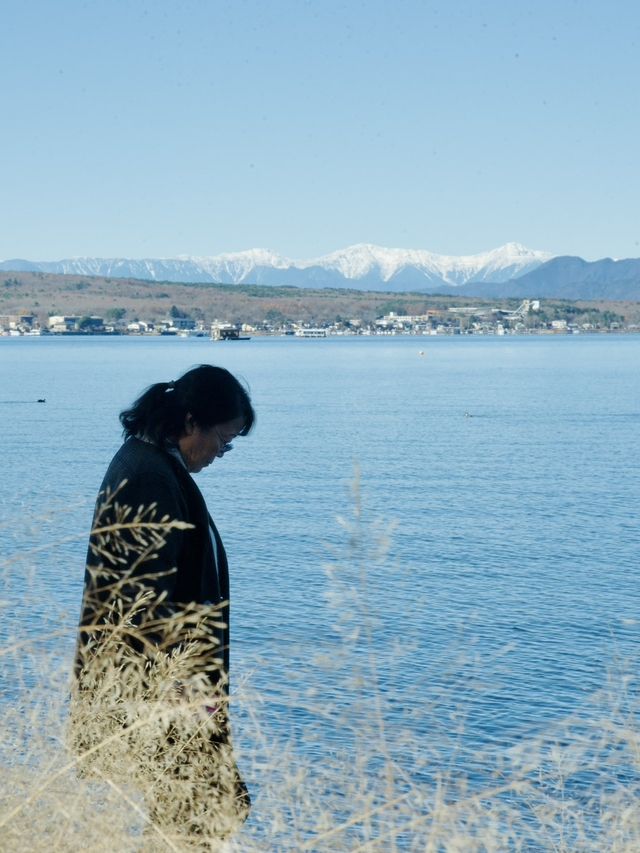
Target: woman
{"type": "Point", "coordinates": [152, 663]}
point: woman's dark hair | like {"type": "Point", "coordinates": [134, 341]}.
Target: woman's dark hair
{"type": "Point", "coordinates": [211, 395]}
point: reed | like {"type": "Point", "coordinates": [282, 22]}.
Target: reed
{"type": "Point", "coordinates": [113, 765]}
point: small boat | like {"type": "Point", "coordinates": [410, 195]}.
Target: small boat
{"type": "Point", "coordinates": [311, 333]}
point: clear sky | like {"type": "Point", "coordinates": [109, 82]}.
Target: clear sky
{"type": "Point", "coordinates": [153, 128]}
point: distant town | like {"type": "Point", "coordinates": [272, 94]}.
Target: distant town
{"type": "Point", "coordinates": [531, 316]}
{"type": "Point", "coordinates": [38, 303]}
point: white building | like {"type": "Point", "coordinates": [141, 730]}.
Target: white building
{"type": "Point", "coordinates": [61, 323]}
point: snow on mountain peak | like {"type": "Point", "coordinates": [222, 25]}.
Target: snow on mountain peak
{"type": "Point", "coordinates": [363, 265]}
{"type": "Point", "coordinates": [364, 259]}
{"type": "Point", "coordinates": [240, 264]}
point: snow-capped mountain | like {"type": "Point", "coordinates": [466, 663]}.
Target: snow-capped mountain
{"type": "Point", "coordinates": [365, 260]}
{"type": "Point", "coordinates": [362, 267]}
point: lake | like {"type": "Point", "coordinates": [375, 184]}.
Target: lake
{"type": "Point", "coordinates": [495, 560]}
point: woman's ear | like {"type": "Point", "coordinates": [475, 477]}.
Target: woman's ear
{"type": "Point", "coordinates": [189, 424]}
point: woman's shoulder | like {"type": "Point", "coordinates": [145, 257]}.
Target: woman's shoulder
{"type": "Point", "coordinates": [137, 458]}
{"type": "Point", "coordinates": [135, 451]}
{"type": "Point", "coordinates": [140, 474]}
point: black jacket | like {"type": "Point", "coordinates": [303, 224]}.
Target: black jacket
{"type": "Point", "coordinates": [181, 572]}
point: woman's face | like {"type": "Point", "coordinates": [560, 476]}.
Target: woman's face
{"type": "Point", "coordinates": [199, 446]}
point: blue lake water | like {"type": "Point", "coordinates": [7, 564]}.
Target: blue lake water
{"type": "Point", "coordinates": [508, 468]}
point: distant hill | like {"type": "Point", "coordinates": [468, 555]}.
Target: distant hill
{"type": "Point", "coordinates": [48, 293]}
{"type": "Point", "coordinates": [569, 278]}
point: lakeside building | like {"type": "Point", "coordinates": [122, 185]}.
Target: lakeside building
{"type": "Point", "coordinates": [400, 322]}
{"type": "Point", "coordinates": [91, 324]}
{"type": "Point", "coordinates": [62, 323]}
{"type": "Point", "coordinates": [67, 324]}
{"type": "Point", "coordinates": [178, 324]}
{"type": "Point", "coordinates": [21, 323]}
{"type": "Point", "coordinates": [139, 327]}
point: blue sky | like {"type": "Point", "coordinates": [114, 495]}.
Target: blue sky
{"type": "Point", "coordinates": [166, 127]}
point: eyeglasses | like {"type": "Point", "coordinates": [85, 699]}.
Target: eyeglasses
{"type": "Point", "coordinates": [225, 444]}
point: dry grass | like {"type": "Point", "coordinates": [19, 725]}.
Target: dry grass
{"type": "Point", "coordinates": [355, 775]}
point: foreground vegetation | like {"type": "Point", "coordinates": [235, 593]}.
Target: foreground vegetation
{"type": "Point", "coordinates": [357, 775]}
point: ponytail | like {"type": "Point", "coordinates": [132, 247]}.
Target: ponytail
{"type": "Point", "coordinates": [211, 395]}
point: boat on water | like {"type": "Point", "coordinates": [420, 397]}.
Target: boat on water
{"type": "Point", "coordinates": [311, 333]}
{"type": "Point", "coordinates": [227, 332]}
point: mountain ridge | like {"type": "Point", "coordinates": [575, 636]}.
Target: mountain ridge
{"type": "Point", "coordinates": [511, 270]}
{"type": "Point", "coordinates": [364, 266]}
{"type": "Point", "coordinates": [569, 277]}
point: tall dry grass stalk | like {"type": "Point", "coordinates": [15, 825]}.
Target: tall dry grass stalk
{"type": "Point", "coordinates": [122, 766]}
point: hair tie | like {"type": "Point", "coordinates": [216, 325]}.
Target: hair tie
{"type": "Point", "coordinates": [171, 387]}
